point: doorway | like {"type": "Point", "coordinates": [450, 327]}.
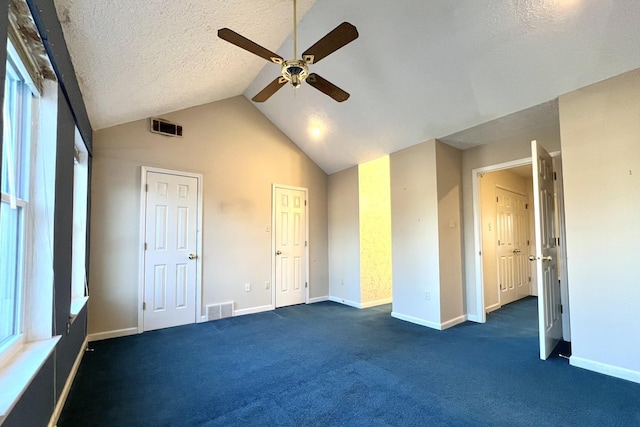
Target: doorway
{"type": "Point", "coordinates": [536, 255]}
{"type": "Point", "coordinates": [170, 272]}
{"type": "Point", "coordinates": [507, 222]}
{"type": "Point", "coordinates": [290, 246]}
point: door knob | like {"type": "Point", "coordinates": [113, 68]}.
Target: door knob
{"type": "Point", "coordinates": [547, 258]}
{"type": "Point", "coordinates": [278, 252]}
{"type": "Point", "coordinates": [532, 258]}
{"type": "Point", "coordinates": [193, 256]}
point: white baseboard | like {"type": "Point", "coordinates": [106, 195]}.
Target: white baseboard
{"type": "Point", "coordinates": [376, 303]}
{"type": "Point", "coordinates": [491, 308]}
{"type": "Point", "coordinates": [345, 302]}
{"type": "Point", "coordinates": [253, 310]}
{"type": "Point", "coordinates": [453, 322]}
{"type": "Point", "coordinates": [112, 334]}
{"type": "Point", "coordinates": [603, 368]}
{"type": "Point", "coordinates": [318, 299]}
{"type": "Point", "coordinates": [67, 385]}
{"type": "Point", "coordinates": [473, 318]}
{"type": "Point", "coordinates": [417, 321]}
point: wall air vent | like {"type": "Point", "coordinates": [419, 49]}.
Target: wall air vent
{"type": "Point", "coordinates": [219, 311]}
{"type": "Point", "coordinates": [164, 127]}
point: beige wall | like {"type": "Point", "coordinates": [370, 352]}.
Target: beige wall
{"type": "Point", "coordinates": [449, 170]}
{"type": "Point", "coordinates": [414, 232]}
{"type": "Point", "coordinates": [375, 232]}
{"type": "Point", "coordinates": [600, 127]}
{"type": "Point", "coordinates": [488, 183]}
{"type": "Point", "coordinates": [508, 150]}
{"type": "Point", "coordinates": [344, 237]}
{"type": "Point", "coordinates": [240, 154]}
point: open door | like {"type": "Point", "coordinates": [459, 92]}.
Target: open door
{"type": "Point", "coordinates": [549, 314]}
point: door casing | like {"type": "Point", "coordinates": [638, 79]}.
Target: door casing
{"type": "Point", "coordinates": [141, 259]}
{"type": "Point", "coordinates": [481, 316]}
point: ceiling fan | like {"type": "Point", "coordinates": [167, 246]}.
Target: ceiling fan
{"type": "Point", "coordinates": [296, 71]}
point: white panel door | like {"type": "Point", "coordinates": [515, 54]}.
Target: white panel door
{"type": "Point", "coordinates": [513, 240]}
{"type": "Point", "coordinates": [170, 257]}
{"type": "Point", "coordinates": [290, 244]}
{"type": "Point", "coordinates": [549, 315]}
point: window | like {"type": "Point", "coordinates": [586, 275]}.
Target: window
{"type": "Point", "coordinates": [79, 290]}
{"type": "Point", "coordinates": [14, 207]}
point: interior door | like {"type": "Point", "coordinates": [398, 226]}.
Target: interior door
{"type": "Point", "coordinates": [290, 244]}
{"type": "Point", "coordinates": [513, 235]}
{"type": "Point", "coordinates": [549, 315]}
{"type": "Point", "coordinates": [170, 256]}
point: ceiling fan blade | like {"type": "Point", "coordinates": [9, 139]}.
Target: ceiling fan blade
{"type": "Point", "coordinates": [271, 88]}
{"type": "Point", "coordinates": [327, 87]}
{"type": "Point", "coordinates": [243, 42]}
{"type": "Point", "coordinates": [340, 36]}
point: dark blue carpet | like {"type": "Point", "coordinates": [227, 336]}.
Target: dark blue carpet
{"type": "Point", "coordinates": [331, 365]}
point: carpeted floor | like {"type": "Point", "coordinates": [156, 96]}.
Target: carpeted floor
{"type": "Point", "coordinates": [331, 365]}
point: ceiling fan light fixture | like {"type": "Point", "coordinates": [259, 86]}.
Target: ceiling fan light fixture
{"type": "Point", "coordinates": [295, 71]}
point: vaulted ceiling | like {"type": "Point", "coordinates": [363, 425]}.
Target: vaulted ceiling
{"type": "Point", "coordinates": [421, 69]}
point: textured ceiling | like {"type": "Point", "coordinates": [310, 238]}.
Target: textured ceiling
{"type": "Point", "coordinates": [139, 58]}
{"type": "Point", "coordinates": [420, 69]}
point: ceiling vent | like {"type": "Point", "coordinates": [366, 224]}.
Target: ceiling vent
{"type": "Point", "coordinates": [164, 127]}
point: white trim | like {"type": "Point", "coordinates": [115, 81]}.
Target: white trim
{"type": "Point", "coordinates": [345, 302]}
{"type": "Point", "coordinates": [376, 303]}
{"type": "Point", "coordinates": [493, 307]}
{"type": "Point", "coordinates": [77, 304]}
{"type": "Point", "coordinates": [481, 315]}
{"type": "Point", "coordinates": [453, 322]}
{"type": "Point", "coordinates": [273, 239]}
{"type": "Point", "coordinates": [253, 310]}
{"type": "Point", "coordinates": [603, 368]}
{"type": "Point", "coordinates": [67, 385]}
{"type": "Point", "coordinates": [417, 321]}
{"type": "Point", "coordinates": [112, 334]}
{"type": "Point", "coordinates": [143, 205]}
{"type": "Point", "coordinates": [318, 299]}
{"type": "Point", "coordinates": [473, 318]}
{"type": "Point", "coordinates": [16, 376]}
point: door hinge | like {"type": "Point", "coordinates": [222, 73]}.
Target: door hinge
{"type": "Point", "coordinates": [526, 206]}
{"type": "Point", "coordinates": [527, 243]}
{"type": "Point", "coordinates": [561, 309]}
{"type": "Point", "coordinates": [555, 176]}
{"type": "Point", "coordinates": [306, 243]}
{"type": "Point", "coordinates": [305, 203]}
{"type": "Point", "coordinates": [498, 242]}
{"type": "Point", "coordinates": [557, 241]}
{"type": "Point", "coordinates": [144, 306]}
{"type": "Point", "coordinates": [146, 188]}
{"type": "Point", "coordinates": [306, 284]}
{"type": "Point", "coordinates": [529, 278]}
{"type": "Point", "coordinates": [145, 246]}
{"type": "Point", "coordinates": [497, 199]}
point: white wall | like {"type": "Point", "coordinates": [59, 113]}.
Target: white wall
{"type": "Point", "coordinates": [375, 232]}
{"type": "Point", "coordinates": [240, 153]}
{"type": "Point", "coordinates": [414, 233]}
{"type": "Point", "coordinates": [600, 127]}
{"type": "Point", "coordinates": [449, 185]}
{"type": "Point", "coordinates": [344, 237]}
{"type": "Point", "coordinates": [512, 148]}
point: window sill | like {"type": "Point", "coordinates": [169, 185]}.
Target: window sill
{"type": "Point", "coordinates": [77, 304]}
{"type": "Point", "coordinates": [18, 372]}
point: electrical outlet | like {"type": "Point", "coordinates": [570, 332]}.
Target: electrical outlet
{"type": "Point", "coordinates": [427, 295]}
{"type": "Point", "coordinates": [267, 285]}
{"type": "Point", "coordinates": [247, 287]}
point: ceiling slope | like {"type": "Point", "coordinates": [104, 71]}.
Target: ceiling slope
{"type": "Point", "coordinates": [138, 58]}
{"type": "Point", "coordinates": [427, 69]}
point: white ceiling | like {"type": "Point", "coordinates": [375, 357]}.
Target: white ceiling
{"type": "Point", "coordinates": [420, 69]}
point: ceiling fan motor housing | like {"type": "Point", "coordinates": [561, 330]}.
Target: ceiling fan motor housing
{"type": "Point", "coordinates": [295, 72]}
